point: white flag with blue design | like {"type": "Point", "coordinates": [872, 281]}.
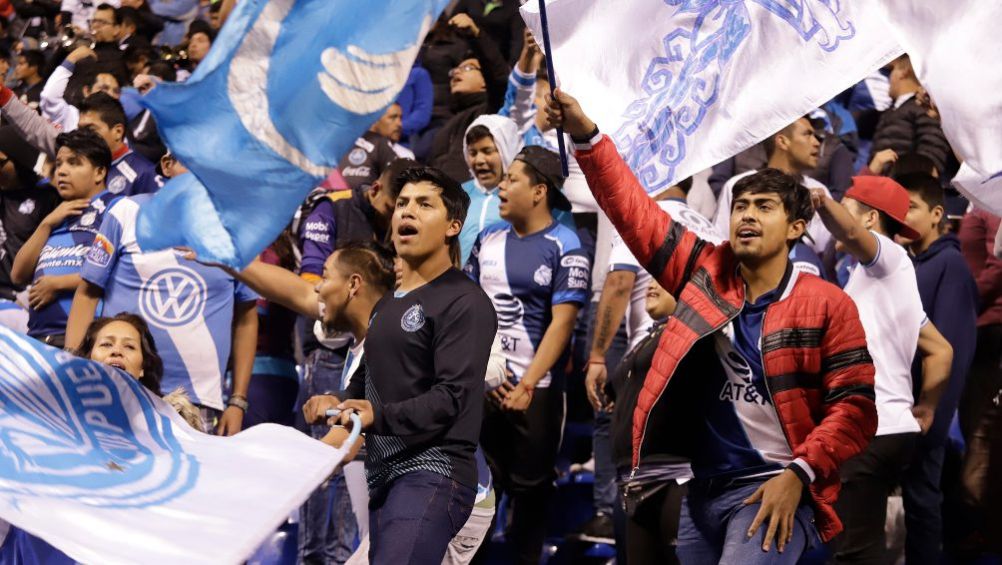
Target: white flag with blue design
{"type": "Point", "coordinates": [286, 89]}
{"type": "Point", "coordinates": [681, 85]}
{"type": "Point", "coordinates": [952, 46]}
{"type": "Point", "coordinates": [108, 473]}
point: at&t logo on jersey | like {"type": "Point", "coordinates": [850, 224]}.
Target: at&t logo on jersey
{"type": "Point", "coordinates": [174, 297]}
{"type": "Point", "coordinates": [65, 432]}
{"type": "Point", "coordinates": [509, 309]}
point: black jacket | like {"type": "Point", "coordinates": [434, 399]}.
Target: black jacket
{"type": "Point", "coordinates": [909, 129]}
{"type": "Point", "coordinates": [624, 386]}
{"type": "Point", "coordinates": [447, 147]}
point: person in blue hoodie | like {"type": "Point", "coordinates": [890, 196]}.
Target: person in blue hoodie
{"type": "Point", "coordinates": [950, 299]}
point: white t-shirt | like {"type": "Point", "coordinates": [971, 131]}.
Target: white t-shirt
{"type": "Point", "coordinates": [886, 293]}
{"type": "Point", "coordinates": [815, 228]}
{"type": "Point", "coordinates": [638, 323]}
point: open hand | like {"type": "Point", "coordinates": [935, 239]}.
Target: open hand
{"type": "Point", "coordinates": [66, 209]}
{"type": "Point", "coordinates": [42, 293]}
{"type": "Point", "coordinates": [780, 497]}
{"type": "Point", "coordinates": [231, 422]}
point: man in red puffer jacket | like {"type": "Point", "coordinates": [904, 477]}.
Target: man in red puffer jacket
{"type": "Point", "coordinates": [772, 362]}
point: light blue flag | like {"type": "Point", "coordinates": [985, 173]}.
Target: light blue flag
{"type": "Point", "coordinates": [102, 469]}
{"type": "Point", "coordinates": [287, 88]}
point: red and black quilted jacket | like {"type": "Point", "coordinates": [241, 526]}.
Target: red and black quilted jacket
{"type": "Point", "coordinates": [817, 367]}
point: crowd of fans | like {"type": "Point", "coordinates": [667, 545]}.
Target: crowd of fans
{"type": "Point", "coordinates": [582, 321]}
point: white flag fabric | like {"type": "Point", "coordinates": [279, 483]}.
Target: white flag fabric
{"type": "Point", "coordinates": [106, 472]}
{"type": "Point", "coordinates": [681, 85]}
{"type": "Point", "coordinates": [952, 45]}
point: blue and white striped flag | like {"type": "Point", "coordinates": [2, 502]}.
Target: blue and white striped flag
{"type": "Point", "coordinates": [108, 473]}
{"type": "Point", "coordinates": [286, 89]}
{"type": "Point", "coordinates": [681, 85]}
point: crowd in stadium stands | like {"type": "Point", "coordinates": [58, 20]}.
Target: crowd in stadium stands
{"type": "Point", "coordinates": [826, 307]}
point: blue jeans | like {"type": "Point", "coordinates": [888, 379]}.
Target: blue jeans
{"type": "Point", "coordinates": [413, 519]}
{"type": "Point", "coordinates": [714, 526]}
{"type": "Point", "coordinates": [328, 532]}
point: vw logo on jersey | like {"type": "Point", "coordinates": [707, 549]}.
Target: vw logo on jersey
{"type": "Point", "coordinates": [509, 309]}
{"type": "Point", "coordinates": [174, 297]}
{"type": "Point", "coordinates": [116, 185]}
{"type": "Point", "coordinates": [413, 319]}
{"type": "Point", "coordinates": [66, 431]}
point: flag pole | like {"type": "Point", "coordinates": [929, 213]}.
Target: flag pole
{"type": "Point", "coordinates": [553, 82]}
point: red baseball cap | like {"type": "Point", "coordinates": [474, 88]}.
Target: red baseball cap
{"type": "Point", "coordinates": [886, 195]}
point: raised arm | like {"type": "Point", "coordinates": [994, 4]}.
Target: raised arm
{"type": "Point", "coordinates": [669, 251]}
{"type": "Point", "coordinates": [34, 129]}
{"type": "Point", "coordinates": [280, 286]}
{"type": "Point", "coordinates": [858, 241]}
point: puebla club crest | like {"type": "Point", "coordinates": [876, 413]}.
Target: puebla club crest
{"type": "Point", "coordinates": [413, 319]}
{"type": "Point", "coordinates": [65, 432]}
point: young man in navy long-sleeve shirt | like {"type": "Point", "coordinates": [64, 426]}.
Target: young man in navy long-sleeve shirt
{"type": "Point", "coordinates": [950, 299]}
{"type": "Point", "coordinates": [421, 399]}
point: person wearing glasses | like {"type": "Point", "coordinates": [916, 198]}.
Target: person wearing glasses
{"type": "Point", "coordinates": [476, 86]}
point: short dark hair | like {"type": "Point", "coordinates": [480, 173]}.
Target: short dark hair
{"type": "Point", "coordinates": [392, 174]}
{"type": "Point", "coordinates": [926, 186]}
{"type": "Point", "coordinates": [769, 143]}
{"type": "Point", "coordinates": [372, 261]}
{"type": "Point", "coordinates": [455, 199]}
{"type": "Point", "coordinates": [201, 26]}
{"type": "Point", "coordinates": [116, 16]}
{"type": "Point", "coordinates": [107, 108]}
{"type": "Point", "coordinates": [163, 69]}
{"type": "Point", "coordinates": [153, 365]}
{"type": "Point", "coordinates": [888, 225]}
{"type": "Point", "coordinates": [911, 163]}
{"type": "Point", "coordinates": [34, 58]}
{"type": "Point", "coordinates": [795, 197]}
{"type": "Point", "coordinates": [128, 14]}
{"type": "Point", "coordinates": [88, 144]}
{"type": "Point", "coordinates": [477, 133]}
{"type": "Point", "coordinates": [87, 73]}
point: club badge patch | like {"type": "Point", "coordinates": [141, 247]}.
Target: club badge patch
{"type": "Point", "coordinates": [413, 319]}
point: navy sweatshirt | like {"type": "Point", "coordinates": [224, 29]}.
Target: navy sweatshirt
{"type": "Point", "coordinates": [950, 298]}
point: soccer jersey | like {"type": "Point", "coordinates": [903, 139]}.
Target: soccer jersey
{"type": "Point", "coordinates": [742, 435]}
{"type": "Point", "coordinates": [525, 277]}
{"type": "Point", "coordinates": [425, 356]}
{"type": "Point", "coordinates": [188, 306]}
{"type": "Point", "coordinates": [621, 259]}
{"type": "Point", "coordinates": [366, 160]}
{"type": "Point", "coordinates": [63, 254]}
{"type": "Point", "coordinates": [132, 174]}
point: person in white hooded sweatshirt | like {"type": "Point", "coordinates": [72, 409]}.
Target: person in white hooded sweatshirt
{"type": "Point", "coordinates": [490, 145]}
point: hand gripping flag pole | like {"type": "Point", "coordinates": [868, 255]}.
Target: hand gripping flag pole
{"type": "Point", "coordinates": [553, 82]}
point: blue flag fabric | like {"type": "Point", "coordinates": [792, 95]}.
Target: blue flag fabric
{"type": "Point", "coordinates": [287, 88]}
{"type": "Point", "coordinates": [106, 472]}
